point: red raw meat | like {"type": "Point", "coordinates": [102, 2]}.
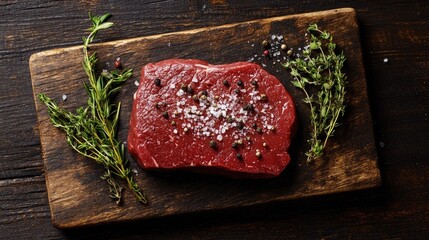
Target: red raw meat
{"type": "Point", "coordinates": [232, 119]}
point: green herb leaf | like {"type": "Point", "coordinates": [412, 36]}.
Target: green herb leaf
{"type": "Point", "coordinates": [91, 131]}
{"type": "Point", "coordinates": [104, 26]}
{"type": "Point", "coordinates": [319, 70]}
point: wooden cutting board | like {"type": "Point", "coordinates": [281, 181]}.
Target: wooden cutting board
{"type": "Point", "coordinates": [77, 195]}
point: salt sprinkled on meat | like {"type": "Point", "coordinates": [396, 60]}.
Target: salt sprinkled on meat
{"type": "Point", "coordinates": [214, 111]}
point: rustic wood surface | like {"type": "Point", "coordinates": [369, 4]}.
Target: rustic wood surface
{"type": "Point", "coordinates": [399, 101]}
{"type": "Point", "coordinates": [78, 197]}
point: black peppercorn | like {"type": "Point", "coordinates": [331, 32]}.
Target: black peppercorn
{"type": "Point", "coordinates": [249, 107]}
{"type": "Point", "coordinates": [213, 144]}
{"type": "Point", "coordinates": [239, 156]}
{"type": "Point", "coordinates": [254, 83]}
{"type": "Point", "coordinates": [190, 90]}
{"type": "Point", "coordinates": [240, 83]}
{"type": "Point", "coordinates": [165, 115]}
{"type": "Point", "coordinates": [157, 82]}
{"type": "Point", "coordinates": [225, 83]}
{"type": "Point", "coordinates": [240, 125]}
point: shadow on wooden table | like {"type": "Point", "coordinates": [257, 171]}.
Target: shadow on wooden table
{"type": "Point", "coordinates": [310, 210]}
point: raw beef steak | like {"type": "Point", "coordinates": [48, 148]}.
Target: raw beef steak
{"type": "Point", "coordinates": [232, 119]}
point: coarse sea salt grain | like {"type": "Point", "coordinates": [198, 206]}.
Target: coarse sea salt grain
{"type": "Point", "coordinates": [180, 93]}
{"type": "Point", "coordinates": [136, 83]}
{"type": "Point", "coordinates": [386, 60]}
{"type": "Point", "coordinates": [64, 97]}
{"type": "Point", "coordinates": [194, 79]}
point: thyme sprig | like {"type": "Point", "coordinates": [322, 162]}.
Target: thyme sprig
{"type": "Point", "coordinates": [92, 130]}
{"type": "Point", "coordinates": [319, 68]}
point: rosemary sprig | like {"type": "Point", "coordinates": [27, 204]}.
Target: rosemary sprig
{"type": "Point", "coordinates": [92, 130]}
{"type": "Point", "coordinates": [319, 68]}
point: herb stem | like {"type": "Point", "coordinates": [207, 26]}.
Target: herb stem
{"type": "Point", "coordinates": [319, 71]}
{"type": "Point", "coordinates": [92, 130]}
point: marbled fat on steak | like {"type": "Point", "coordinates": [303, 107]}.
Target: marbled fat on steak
{"type": "Point", "coordinates": [232, 119]}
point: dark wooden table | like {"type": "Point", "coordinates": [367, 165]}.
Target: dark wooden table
{"type": "Point", "coordinates": [398, 91]}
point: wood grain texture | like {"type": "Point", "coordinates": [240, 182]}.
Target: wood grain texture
{"type": "Point", "coordinates": [398, 93]}
{"type": "Point", "coordinates": [76, 194]}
